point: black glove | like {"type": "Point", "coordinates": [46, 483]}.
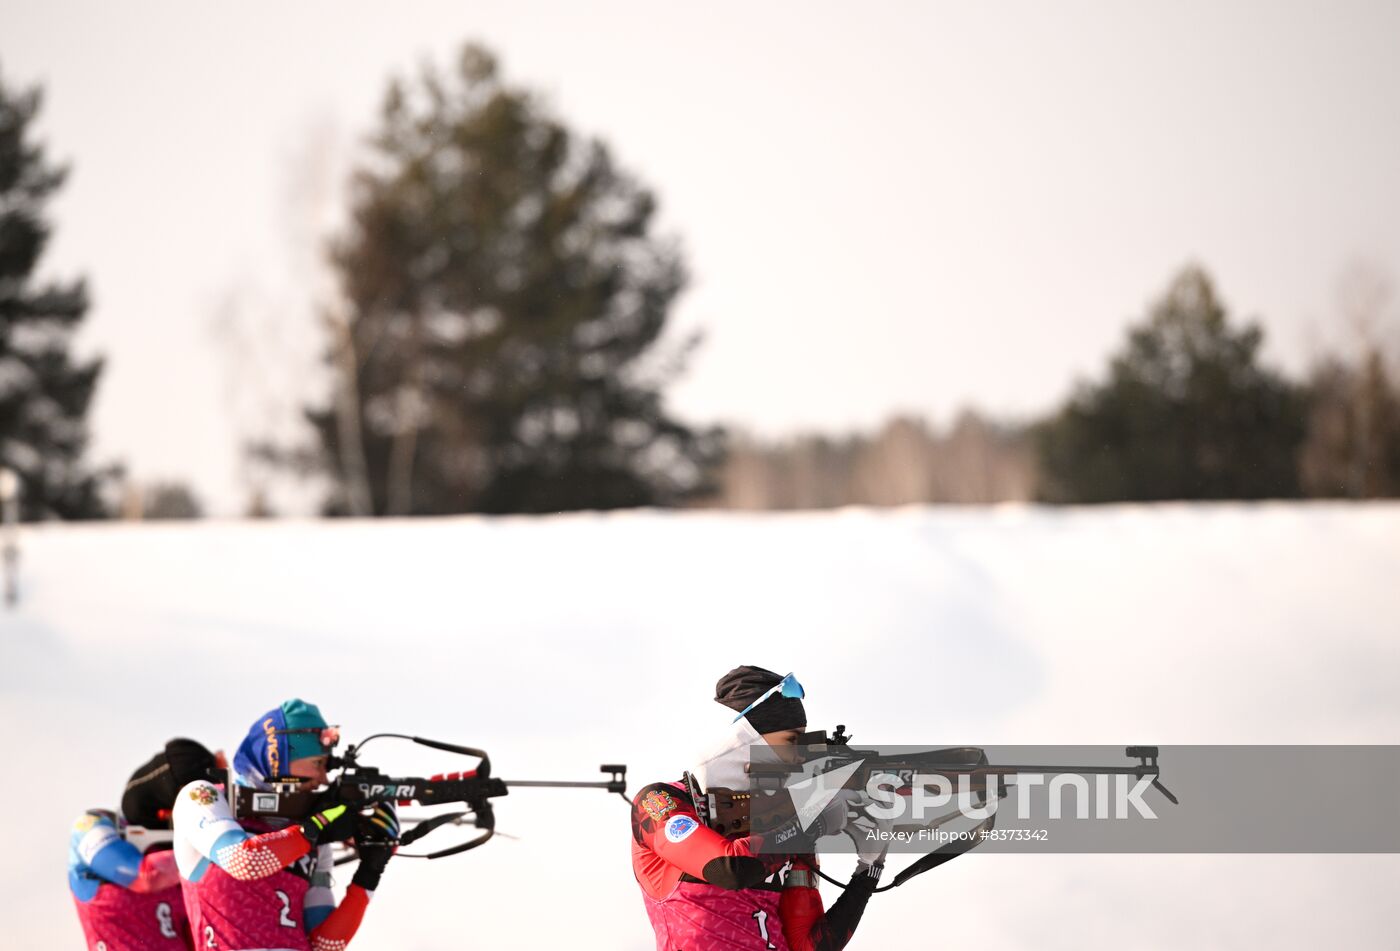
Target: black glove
{"type": "Point", "coordinates": [376, 839]}
{"type": "Point", "coordinates": [332, 824]}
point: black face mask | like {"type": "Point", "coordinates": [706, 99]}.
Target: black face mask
{"type": "Point", "coordinates": [778, 713]}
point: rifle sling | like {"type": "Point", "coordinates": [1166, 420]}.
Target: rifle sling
{"type": "Point", "coordinates": [943, 854]}
{"type": "Point", "coordinates": [428, 825]}
{"type": "Point", "coordinates": [937, 857]}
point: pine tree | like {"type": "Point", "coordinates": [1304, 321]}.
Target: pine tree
{"type": "Point", "coordinates": [504, 297]}
{"type": "Point", "coordinates": [1187, 412]}
{"type": "Point", "coordinates": [44, 392]}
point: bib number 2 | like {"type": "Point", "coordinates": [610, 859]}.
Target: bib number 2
{"type": "Point", "coordinates": [285, 918]}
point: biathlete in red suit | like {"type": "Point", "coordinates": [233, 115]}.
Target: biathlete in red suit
{"type": "Point", "coordinates": [706, 892]}
{"type": "Point", "coordinates": [120, 868]}
{"type": "Point", "coordinates": [126, 901]}
{"type": "Point", "coordinates": [254, 886]}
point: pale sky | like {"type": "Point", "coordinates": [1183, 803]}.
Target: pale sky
{"type": "Point", "coordinates": [917, 206]}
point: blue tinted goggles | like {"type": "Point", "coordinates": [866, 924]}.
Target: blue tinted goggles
{"type": "Point", "coordinates": [788, 687]}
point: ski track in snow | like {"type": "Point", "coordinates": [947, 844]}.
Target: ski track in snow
{"type": "Point", "coordinates": [561, 643]}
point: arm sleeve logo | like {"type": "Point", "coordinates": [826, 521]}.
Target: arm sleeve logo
{"type": "Point", "coordinates": [680, 828]}
{"type": "Point", "coordinates": [658, 804]}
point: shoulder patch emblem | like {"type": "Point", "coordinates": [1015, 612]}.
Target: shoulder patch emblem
{"type": "Point", "coordinates": [85, 823]}
{"type": "Point", "coordinates": [659, 804]}
{"type": "Point", "coordinates": [204, 795]}
{"type": "Point", "coordinates": [680, 828]}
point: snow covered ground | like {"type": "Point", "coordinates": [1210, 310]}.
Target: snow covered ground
{"type": "Point", "coordinates": [565, 642]}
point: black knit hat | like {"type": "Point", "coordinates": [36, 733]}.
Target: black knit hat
{"type": "Point", "coordinates": [153, 787]}
{"type": "Point", "coordinates": [743, 685]}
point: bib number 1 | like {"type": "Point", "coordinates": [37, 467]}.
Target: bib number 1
{"type": "Point", "coordinates": [761, 917]}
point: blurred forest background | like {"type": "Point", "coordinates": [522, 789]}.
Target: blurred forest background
{"type": "Point", "coordinates": [494, 342]}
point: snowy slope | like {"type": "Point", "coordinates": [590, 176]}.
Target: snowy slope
{"type": "Point", "coordinates": [565, 642]}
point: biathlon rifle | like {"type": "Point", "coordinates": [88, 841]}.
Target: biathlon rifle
{"type": "Point", "coordinates": [731, 812]}
{"type": "Point", "coordinates": [359, 785]}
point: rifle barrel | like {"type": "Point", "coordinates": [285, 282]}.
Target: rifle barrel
{"type": "Point", "coordinates": [558, 784]}
{"type": "Point", "coordinates": [1111, 770]}
{"type": "Point", "coordinates": [1011, 771]}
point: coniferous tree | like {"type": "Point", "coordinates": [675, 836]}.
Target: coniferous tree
{"type": "Point", "coordinates": [1187, 412]}
{"type": "Point", "coordinates": [44, 392]}
{"type": "Point", "coordinates": [504, 295]}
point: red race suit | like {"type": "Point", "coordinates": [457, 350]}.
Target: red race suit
{"type": "Point", "coordinates": [706, 892]}
{"type": "Point", "coordinates": [126, 901]}
{"type": "Point", "coordinates": [248, 888]}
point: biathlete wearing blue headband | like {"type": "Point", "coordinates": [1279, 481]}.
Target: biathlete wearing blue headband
{"type": "Point", "coordinates": [266, 883]}
{"type": "Point", "coordinates": [708, 892]}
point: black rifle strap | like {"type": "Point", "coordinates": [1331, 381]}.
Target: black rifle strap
{"type": "Point", "coordinates": [428, 825]}
{"type": "Point", "coordinates": [486, 821]}
{"type": "Point", "coordinates": [935, 858]}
